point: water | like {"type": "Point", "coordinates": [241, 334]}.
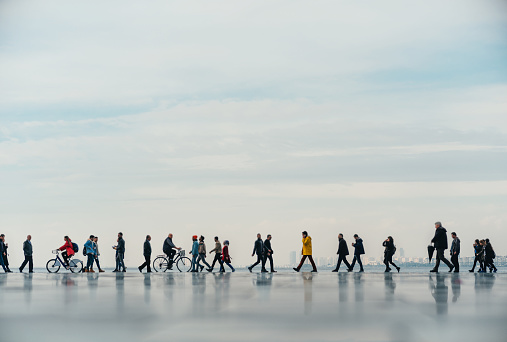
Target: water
{"type": "Point", "coordinates": [252, 307]}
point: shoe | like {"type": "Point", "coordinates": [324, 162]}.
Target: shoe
{"type": "Point", "coordinates": [115, 271]}
{"type": "Point", "coordinates": [350, 270]}
{"type": "Point", "coordinates": [295, 269]}
{"type": "Point", "coordinates": [398, 268]}
{"type": "Point", "coordinates": [92, 271]}
{"type": "Point", "coordinates": [451, 268]}
{"type": "Point", "coordinates": [86, 271]}
{"type": "Point", "coordinates": [101, 270]}
{"type": "Point", "coordinates": [361, 270]}
{"type": "Point", "coordinates": [387, 270]}
{"type": "Point", "coordinates": [124, 270]}
{"type": "Point", "coordinates": [250, 269]}
{"type": "Point", "coordinates": [20, 270]}
{"type": "Point", "coordinates": [495, 270]}
{"type": "Point", "coordinates": [456, 271]}
{"type": "Point", "coordinates": [471, 271]}
{"type": "Point", "coordinates": [202, 267]}
{"type": "Point", "coordinates": [209, 269]}
{"type": "Point", "coordinates": [233, 270]}
{"type": "Point", "coordinates": [264, 270]}
{"type": "Point", "coordinates": [140, 270]}
{"type": "Point", "coordinates": [273, 271]}
{"type": "Point", "coordinates": [434, 271]}
{"type": "Point", "coordinates": [30, 271]}
{"type": "Point", "coordinates": [314, 271]}
{"type": "Point", "coordinates": [9, 271]}
{"type": "Point", "coordinates": [335, 270]}
{"type": "Point", "coordinates": [193, 271]}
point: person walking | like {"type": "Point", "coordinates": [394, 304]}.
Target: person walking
{"type": "Point", "coordinates": [488, 260]}
{"type": "Point", "coordinates": [147, 255]}
{"type": "Point", "coordinates": [358, 251]}
{"type": "Point", "coordinates": [169, 249]}
{"type": "Point", "coordinates": [306, 252]}
{"type": "Point", "coordinates": [3, 252]}
{"type": "Point", "coordinates": [259, 251]}
{"type": "Point", "coordinates": [268, 254]}
{"type": "Point", "coordinates": [5, 255]}
{"type": "Point", "coordinates": [389, 251]}
{"type": "Point", "coordinates": [120, 254]}
{"type": "Point", "coordinates": [67, 250]}
{"type": "Point", "coordinates": [483, 256]}
{"type": "Point", "coordinates": [440, 244]}
{"type": "Point", "coordinates": [97, 253]}
{"type": "Point", "coordinates": [343, 251]}
{"type": "Point", "coordinates": [226, 257]}
{"type": "Point", "coordinates": [195, 253]}
{"type": "Point", "coordinates": [455, 250]}
{"type": "Point", "coordinates": [28, 252]}
{"type": "Point", "coordinates": [202, 255]}
{"type": "Point", "coordinates": [90, 254]}
{"type": "Point", "coordinates": [477, 252]}
{"type": "Point", "coordinates": [218, 254]}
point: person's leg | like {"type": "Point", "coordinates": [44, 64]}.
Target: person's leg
{"type": "Point", "coordinates": [222, 268]}
{"type": "Point", "coordinates": [353, 263]}
{"type": "Point", "coordinates": [346, 262]}
{"type": "Point", "coordinates": [386, 262]}
{"type": "Point", "coordinates": [204, 261]}
{"type": "Point", "coordinates": [357, 258]}
{"type": "Point", "coordinates": [30, 264]}
{"type": "Point", "coordinates": [301, 263]}
{"type": "Point", "coordinates": [443, 258]}
{"type": "Point", "coordinates": [3, 263]}
{"type": "Point", "coordinates": [214, 261]}
{"type": "Point", "coordinates": [338, 263]}
{"type": "Point", "coordinates": [148, 263]}
{"type": "Point", "coordinates": [264, 258]}
{"type": "Point", "coordinates": [437, 260]}
{"type": "Point", "coordinates": [143, 265]}
{"type": "Point", "coordinates": [475, 263]}
{"type": "Point", "coordinates": [259, 260]}
{"type": "Point", "coordinates": [98, 263]}
{"type": "Point", "coordinates": [270, 257]}
{"type": "Point", "coordinates": [170, 256]}
{"type": "Point", "coordinates": [65, 257]}
{"type": "Point", "coordinates": [22, 267]}
{"type": "Point", "coordinates": [454, 260]}
{"type": "Point", "coordinates": [313, 263]}
{"type": "Point", "coordinates": [117, 269]}
{"type": "Point", "coordinates": [232, 268]}
{"type": "Point", "coordinates": [194, 262]}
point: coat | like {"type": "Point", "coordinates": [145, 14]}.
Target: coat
{"type": "Point", "coordinates": [440, 238]}
{"type": "Point", "coordinates": [68, 248]}
{"type": "Point", "coordinates": [147, 249]}
{"type": "Point", "coordinates": [168, 245]}
{"type": "Point", "coordinates": [343, 249]}
{"type": "Point", "coordinates": [258, 247]}
{"type": "Point", "coordinates": [27, 248]}
{"type": "Point", "coordinates": [307, 246]}
{"type": "Point", "coordinates": [202, 248]}
{"type": "Point", "coordinates": [195, 248]}
{"type": "Point", "coordinates": [218, 248]}
{"type": "Point", "coordinates": [389, 247]}
{"type": "Point", "coordinates": [358, 247]}
{"type": "Point", "coordinates": [121, 246]}
{"type": "Point", "coordinates": [455, 246]}
{"type": "Point", "coordinates": [89, 247]}
{"type": "Point", "coordinates": [225, 255]}
{"type": "Point", "coordinates": [267, 247]}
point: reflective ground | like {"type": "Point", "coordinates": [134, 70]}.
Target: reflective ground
{"type": "Point", "coordinates": [253, 307]}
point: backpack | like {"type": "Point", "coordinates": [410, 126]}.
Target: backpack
{"type": "Point", "coordinates": [75, 247]}
{"type": "Point", "coordinates": [84, 250]}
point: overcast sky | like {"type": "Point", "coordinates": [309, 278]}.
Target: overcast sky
{"type": "Point", "coordinates": [230, 118]}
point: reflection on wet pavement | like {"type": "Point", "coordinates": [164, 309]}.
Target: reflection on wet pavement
{"type": "Point", "coordinates": [246, 307]}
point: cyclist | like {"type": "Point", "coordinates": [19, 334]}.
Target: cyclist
{"type": "Point", "coordinates": [169, 249]}
{"type": "Point", "coordinates": [68, 250]}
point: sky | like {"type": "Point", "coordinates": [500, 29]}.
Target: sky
{"type": "Point", "coordinates": [232, 118]}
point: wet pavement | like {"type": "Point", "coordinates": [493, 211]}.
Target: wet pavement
{"type": "Point", "coordinates": [253, 307]}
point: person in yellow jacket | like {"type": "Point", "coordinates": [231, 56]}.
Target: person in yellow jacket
{"type": "Point", "coordinates": [306, 252]}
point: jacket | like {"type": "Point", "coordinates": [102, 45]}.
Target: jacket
{"type": "Point", "coordinates": [147, 249]}
{"type": "Point", "coordinates": [477, 249]}
{"type": "Point", "coordinates": [96, 249]}
{"type": "Point", "coordinates": [440, 238]}
{"type": "Point", "coordinates": [389, 247]}
{"type": "Point", "coordinates": [68, 248]}
{"type": "Point", "coordinates": [358, 247]}
{"type": "Point", "coordinates": [343, 249]}
{"type": "Point", "coordinates": [218, 248]}
{"type": "Point", "coordinates": [168, 245]}
{"type": "Point", "coordinates": [490, 253]}
{"type": "Point", "coordinates": [121, 246]}
{"type": "Point", "coordinates": [89, 247]}
{"type": "Point", "coordinates": [27, 248]}
{"type": "Point", "coordinates": [225, 255]}
{"type": "Point", "coordinates": [195, 248]}
{"type": "Point", "coordinates": [202, 248]}
{"type": "Point", "coordinates": [455, 246]}
{"type": "Point", "coordinates": [267, 247]}
{"type": "Point", "coordinates": [3, 248]}
{"type": "Point", "coordinates": [258, 247]}
{"type": "Point", "coordinates": [307, 246]}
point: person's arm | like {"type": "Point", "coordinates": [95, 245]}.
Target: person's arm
{"type": "Point", "coordinates": [458, 246]}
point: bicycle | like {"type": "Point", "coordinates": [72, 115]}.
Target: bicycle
{"type": "Point", "coordinates": [53, 265]}
{"type": "Point", "coordinates": [183, 263]}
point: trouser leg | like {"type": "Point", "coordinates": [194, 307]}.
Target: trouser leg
{"type": "Point", "coordinates": [455, 262]}
{"type": "Point", "coordinates": [475, 263]}
{"type": "Point", "coordinates": [441, 257]}
{"type": "Point", "coordinates": [203, 258]}
{"type": "Point", "coordinates": [264, 259]}
{"type": "Point", "coordinates": [270, 257]}
{"type": "Point", "coordinates": [97, 262]}
{"type": "Point", "coordinates": [302, 262]}
{"type": "Point", "coordinates": [22, 267]}
{"type": "Point", "coordinates": [340, 259]}
{"type": "Point", "coordinates": [346, 262]}
{"type": "Point", "coordinates": [3, 263]}
{"type": "Point", "coordinates": [358, 258]}
{"type": "Point", "coordinates": [259, 260]}
{"type": "Point", "coordinates": [312, 262]}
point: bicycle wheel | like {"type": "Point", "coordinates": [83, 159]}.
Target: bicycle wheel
{"type": "Point", "coordinates": [52, 267]}
{"type": "Point", "coordinates": [75, 266]}
{"type": "Point", "coordinates": [184, 264]}
{"type": "Point", "coordinates": [160, 264]}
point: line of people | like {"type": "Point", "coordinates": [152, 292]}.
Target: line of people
{"type": "Point", "coordinates": [484, 255]}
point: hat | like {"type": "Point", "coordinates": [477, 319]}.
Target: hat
{"type": "Point", "coordinates": [194, 237]}
{"type": "Point", "coordinates": [226, 242]}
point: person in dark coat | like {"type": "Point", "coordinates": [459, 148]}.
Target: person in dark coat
{"type": "Point", "coordinates": [440, 243]}
{"type": "Point", "coordinates": [169, 249]}
{"type": "Point", "coordinates": [358, 251]}
{"type": "Point", "coordinates": [259, 251]}
{"type": "Point", "coordinates": [488, 258]}
{"type": "Point", "coordinates": [343, 251]}
{"type": "Point", "coordinates": [5, 254]}
{"type": "Point", "coordinates": [120, 254]}
{"type": "Point", "coordinates": [389, 251]}
{"type": "Point", "coordinates": [147, 255]}
{"type": "Point", "coordinates": [478, 250]}
{"type": "Point", "coordinates": [455, 250]}
{"type": "Point", "coordinates": [268, 254]}
{"type": "Point", "coordinates": [28, 252]}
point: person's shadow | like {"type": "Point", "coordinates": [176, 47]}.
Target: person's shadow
{"type": "Point", "coordinates": [440, 292]}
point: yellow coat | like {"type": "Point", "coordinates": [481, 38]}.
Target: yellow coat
{"type": "Point", "coordinates": [307, 246]}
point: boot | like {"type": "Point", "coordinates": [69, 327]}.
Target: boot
{"type": "Point", "coordinates": [91, 270]}
{"type": "Point", "coordinates": [101, 270]}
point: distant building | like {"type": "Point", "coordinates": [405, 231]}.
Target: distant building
{"type": "Point", "coordinates": [402, 252]}
{"type": "Point", "coordinates": [292, 258]}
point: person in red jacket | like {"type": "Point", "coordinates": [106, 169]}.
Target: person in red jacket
{"type": "Point", "coordinates": [68, 249]}
{"type": "Point", "coordinates": [226, 258]}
